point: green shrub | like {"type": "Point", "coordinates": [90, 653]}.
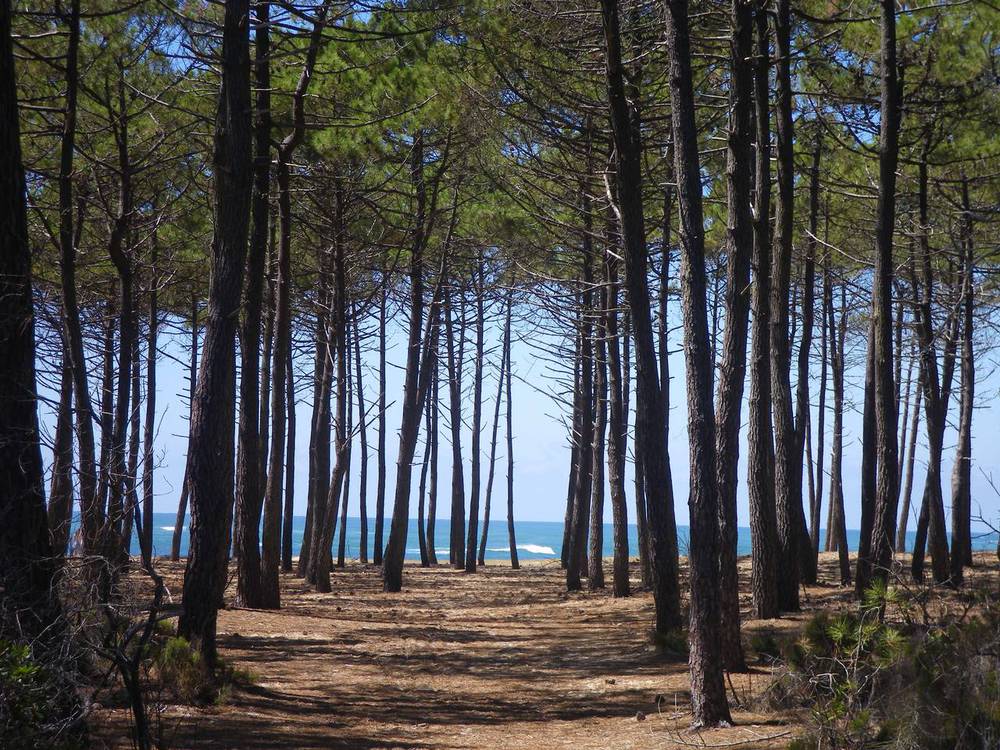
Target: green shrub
{"type": "Point", "coordinates": [906, 686]}
{"type": "Point", "coordinates": [182, 671]}
{"type": "Point", "coordinates": [37, 710]}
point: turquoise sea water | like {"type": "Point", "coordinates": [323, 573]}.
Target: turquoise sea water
{"type": "Point", "coordinates": [536, 540]}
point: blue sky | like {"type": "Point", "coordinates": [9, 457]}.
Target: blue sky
{"type": "Point", "coordinates": [541, 448]}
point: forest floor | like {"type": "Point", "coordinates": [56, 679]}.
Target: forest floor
{"type": "Point", "coordinates": [499, 659]}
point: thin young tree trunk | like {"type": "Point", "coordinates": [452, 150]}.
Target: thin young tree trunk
{"type": "Point", "coordinates": [493, 456]}
{"type": "Point", "coordinates": [425, 560]}
{"type": "Point", "coordinates": [825, 334]}
{"type": "Point", "coordinates": [345, 495]}
{"type": "Point", "coordinates": [477, 420]}
{"type": "Point", "coordinates": [907, 493]}
{"type": "Point", "coordinates": [837, 527]}
{"type": "Point", "coordinates": [708, 695]}
{"type": "Point", "coordinates": [270, 594]}
{"type": "Point", "coordinates": [732, 369]}
{"type": "Point", "coordinates": [133, 516]}
{"type": "Point", "coordinates": [60, 510]}
{"type": "Point", "coordinates": [511, 536]}
{"type": "Point", "coordinates": [574, 454]}
{"type": "Point", "coordinates": [363, 434]}
{"type": "Point", "coordinates": [287, 518]}
{"type": "Point", "coordinates": [249, 493]}
{"type": "Point", "coordinates": [149, 423]}
{"type": "Point", "coordinates": [90, 506]}
{"type": "Point", "coordinates": [212, 448]}
{"type": "Point", "coordinates": [319, 434]}
{"type": "Point", "coordinates": [432, 498]}
{"type": "Point", "coordinates": [419, 362]}
{"type": "Point", "coordinates": [457, 534]}
{"type": "Point", "coordinates": [271, 538]}
{"type": "Point", "coordinates": [961, 478]}
{"type": "Point", "coordinates": [595, 569]}
{"type": "Point", "coordinates": [325, 524]}
{"type": "Point", "coordinates": [616, 424]}
{"type": "Point", "coordinates": [576, 565]}
{"type": "Point", "coordinates": [931, 523]}
{"type": "Point", "coordinates": [380, 485]}
{"type": "Point", "coordinates": [182, 503]}
{"type": "Point", "coordinates": [808, 553]}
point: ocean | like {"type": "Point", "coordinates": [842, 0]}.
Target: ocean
{"type": "Point", "coordinates": [536, 540]}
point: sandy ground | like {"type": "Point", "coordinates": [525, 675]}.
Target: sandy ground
{"type": "Point", "coordinates": [498, 659]}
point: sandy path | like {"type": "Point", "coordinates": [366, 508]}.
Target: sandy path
{"type": "Point", "coordinates": [500, 659]}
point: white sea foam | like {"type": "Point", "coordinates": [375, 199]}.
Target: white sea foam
{"type": "Point", "coordinates": [166, 528]}
{"type": "Point", "coordinates": [536, 549]}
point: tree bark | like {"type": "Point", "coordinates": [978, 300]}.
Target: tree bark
{"type": "Point", "coordinates": [661, 525]}
{"type": "Point", "coordinates": [363, 435]}
{"type": "Point", "coordinates": [708, 696]}
{"type": "Point", "coordinates": [961, 478]}
{"type": "Point", "coordinates": [380, 484]}
{"type": "Point", "coordinates": [27, 568]}
{"type": "Point", "coordinates": [760, 445]}
{"type": "Point", "coordinates": [493, 449]}
{"type": "Point", "coordinates": [732, 369]}
{"type": "Point", "coordinates": [477, 420]}
{"type": "Point", "coordinates": [457, 532]}
{"type": "Point", "coordinates": [287, 517]}
{"type": "Point", "coordinates": [249, 493]}
{"type": "Point", "coordinates": [875, 566]}
{"type": "Point", "coordinates": [810, 549]}
{"type": "Point", "coordinates": [211, 446]}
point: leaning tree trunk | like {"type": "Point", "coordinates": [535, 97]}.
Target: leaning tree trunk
{"type": "Point", "coordinates": [493, 458]}
{"type": "Point", "coordinates": [345, 495]}
{"type": "Point", "coordinates": [808, 552]}
{"type": "Point", "coordinates": [708, 695]}
{"type": "Point", "coordinates": [931, 525]}
{"type": "Point", "coordinates": [90, 506]}
{"type": "Point", "coordinates": [212, 446]}
{"type": "Point", "coordinates": [182, 503]}
{"type": "Point", "coordinates": [60, 510]}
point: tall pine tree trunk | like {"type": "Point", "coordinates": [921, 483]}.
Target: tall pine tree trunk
{"type": "Point", "coordinates": [212, 446]}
